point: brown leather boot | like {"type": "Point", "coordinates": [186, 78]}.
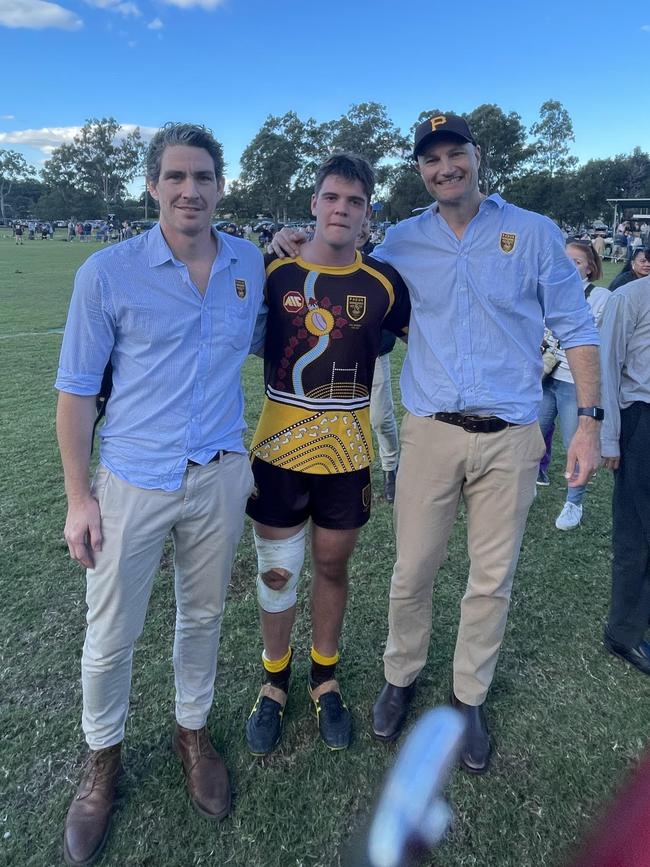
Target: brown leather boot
{"type": "Point", "coordinates": [206, 774]}
{"type": "Point", "coordinates": [89, 816]}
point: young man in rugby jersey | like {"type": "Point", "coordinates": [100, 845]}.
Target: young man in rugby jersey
{"type": "Point", "coordinates": [312, 449]}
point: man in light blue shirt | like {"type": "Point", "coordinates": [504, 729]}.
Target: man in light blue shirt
{"type": "Point", "coordinates": [483, 276]}
{"type": "Point", "coordinates": [174, 310]}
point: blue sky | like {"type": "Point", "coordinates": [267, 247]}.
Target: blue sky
{"type": "Point", "coordinates": [230, 63]}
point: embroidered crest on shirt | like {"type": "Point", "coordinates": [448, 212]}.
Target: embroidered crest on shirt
{"type": "Point", "coordinates": [356, 307]}
{"type": "Point", "coordinates": [293, 302]}
{"type": "Point", "coordinates": [240, 288]}
{"type": "Point", "coordinates": [507, 242]}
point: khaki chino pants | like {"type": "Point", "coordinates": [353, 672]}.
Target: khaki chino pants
{"type": "Point", "coordinates": [205, 518]}
{"type": "Point", "coordinates": [495, 474]}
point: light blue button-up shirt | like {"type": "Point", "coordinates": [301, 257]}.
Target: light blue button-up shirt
{"type": "Point", "coordinates": [478, 309]}
{"type": "Point", "coordinates": [176, 354]}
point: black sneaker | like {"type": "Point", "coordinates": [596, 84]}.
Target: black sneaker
{"type": "Point", "coordinates": [334, 719]}
{"type": "Point", "coordinates": [543, 479]}
{"type": "Point", "coordinates": [264, 725]}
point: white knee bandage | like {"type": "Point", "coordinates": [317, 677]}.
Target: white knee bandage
{"type": "Point", "coordinates": [286, 555]}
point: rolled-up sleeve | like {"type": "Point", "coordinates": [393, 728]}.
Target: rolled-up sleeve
{"type": "Point", "coordinates": [89, 334]}
{"type": "Point", "coordinates": [566, 312]}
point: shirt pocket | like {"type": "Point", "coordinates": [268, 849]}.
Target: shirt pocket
{"type": "Point", "coordinates": [239, 320]}
{"type": "Point", "coordinates": [502, 280]}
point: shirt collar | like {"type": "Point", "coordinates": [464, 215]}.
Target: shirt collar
{"type": "Point", "coordinates": [160, 252]}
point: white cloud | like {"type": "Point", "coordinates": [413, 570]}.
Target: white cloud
{"type": "Point", "coordinates": [156, 24]}
{"type": "Point", "coordinates": [645, 28]}
{"type": "Point", "coordinates": [48, 138]}
{"type": "Point", "coordinates": [191, 4]}
{"type": "Point", "coordinates": [124, 7]}
{"type": "Point", "coordinates": [40, 138]}
{"type": "Point", "coordinates": [37, 15]}
{"type": "Point", "coordinates": [7, 117]}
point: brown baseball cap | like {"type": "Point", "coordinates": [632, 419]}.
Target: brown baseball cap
{"type": "Point", "coordinates": [441, 124]}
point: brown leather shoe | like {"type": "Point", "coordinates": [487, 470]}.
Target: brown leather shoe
{"type": "Point", "coordinates": [206, 774]}
{"type": "Point", "coordinates": [89, 816]}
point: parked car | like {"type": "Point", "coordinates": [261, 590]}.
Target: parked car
{"type": "Point", "coordinates": [262, 225]}
{"type": "Point", "coordinates": [139, 226]}
{"type": "Point", "coordinates": [228, 227]}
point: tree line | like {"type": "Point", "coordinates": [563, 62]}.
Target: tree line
{"type": "Point", "coordinates": [532, 167]}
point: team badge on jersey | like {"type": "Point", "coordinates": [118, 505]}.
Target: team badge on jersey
{"type": "Point", "coordinates": [356, 307]}
{"type": "Point", "coordinates": [240, 288]}
{"type": "Point", "coordinates": [507, 242]}
{"type": "Point", "coordinates": [293, 302]}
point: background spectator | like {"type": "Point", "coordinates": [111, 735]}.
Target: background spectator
{"type": "Point", "coordinates": [638, 266]}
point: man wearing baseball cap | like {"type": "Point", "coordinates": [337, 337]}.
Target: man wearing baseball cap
{"type": "Point", "coordinates": [433, 129]}
{"type": "Point", "coordinates": [483, 276]}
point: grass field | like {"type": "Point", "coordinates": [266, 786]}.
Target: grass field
{"type": "Point", "coordinates": [567, 719]}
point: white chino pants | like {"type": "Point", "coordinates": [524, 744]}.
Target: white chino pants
{"type": "Point", "coordinates": [205, 518]}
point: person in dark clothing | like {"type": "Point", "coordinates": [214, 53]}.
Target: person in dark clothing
{"type": "Point", "coordinates": [625, 436]}
{"type": "Point", "coordinates": [638, 266]}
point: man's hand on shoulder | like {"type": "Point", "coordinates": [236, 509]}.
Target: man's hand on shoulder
{"type": "Point", "coordinates": [83, 530]}
{"type": "Point", "coordinates": [287, 242]}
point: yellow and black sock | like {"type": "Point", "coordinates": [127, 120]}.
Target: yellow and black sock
{"type": "Point", "coordinates": [278, 671]}
{"type": "Point", "coordinates": [322, 667]}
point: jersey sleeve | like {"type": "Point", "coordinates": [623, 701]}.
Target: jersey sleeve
{"type": "Point", "coordinates": [397, 318]}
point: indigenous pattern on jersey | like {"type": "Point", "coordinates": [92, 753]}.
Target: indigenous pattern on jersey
{"type": "Point", "coordinates": [322, 338]}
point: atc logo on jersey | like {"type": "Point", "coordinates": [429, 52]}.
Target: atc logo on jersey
{"type": "Point", "coordinates": [356, 307]}
{"type": "Point", "coordinates": [240, 288]}
{"type": "Point", "coordinates": [507, 242]}
{"type": "Point", "coordinates": [293, 302]}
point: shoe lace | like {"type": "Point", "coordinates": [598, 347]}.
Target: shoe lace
{"type": "Point", "coordinates": [267, 712]}
{"type": "Point", "coordinates": [98, 768]}
{"type": "Point", "coordinates": [332, 704]}
{"type": "Point", "coordinates": [206, 750]}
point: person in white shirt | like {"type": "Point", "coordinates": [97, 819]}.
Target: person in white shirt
{"type": "Point", "coordinates": [559, 391]}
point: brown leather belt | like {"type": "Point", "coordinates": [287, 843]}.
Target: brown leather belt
{"type": "Point", "coordinates": [213, 460]}
{"type": "Point", "coordinates": [474, 423]}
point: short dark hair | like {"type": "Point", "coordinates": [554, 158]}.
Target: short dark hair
{"type": "Point", "coordinates": [191, 134]}
{"type": "Point", "coordinates": [350, 167]}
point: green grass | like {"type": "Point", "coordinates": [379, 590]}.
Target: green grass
{"type": "Point", "coordinates": [567, 719]}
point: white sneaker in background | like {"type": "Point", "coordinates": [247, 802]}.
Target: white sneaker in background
{"type": "Point", "coordinates": [570, 517]}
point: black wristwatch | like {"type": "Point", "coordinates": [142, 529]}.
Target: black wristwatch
{"type": "Point", "coordinates": [596, 412]}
